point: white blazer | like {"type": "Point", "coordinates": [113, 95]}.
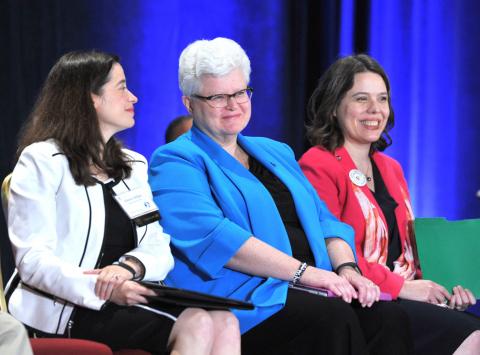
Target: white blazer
{"type": "Point", "coordinates": [56, 228]}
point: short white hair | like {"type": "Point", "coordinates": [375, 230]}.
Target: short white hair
{"type": "Point", "coordinates": [217, 57]}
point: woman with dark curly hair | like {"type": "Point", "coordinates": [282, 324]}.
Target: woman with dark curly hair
{"type": "Point", "coordinates": [351, 114]}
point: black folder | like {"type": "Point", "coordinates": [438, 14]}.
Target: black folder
{"type": "Point", "coordinates": [180, 297]}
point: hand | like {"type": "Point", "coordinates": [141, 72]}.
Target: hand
{"type": "Point", "coordinates": [461, 298]}
{"type": "Point", "coordinates": [129, 293]}
{"type": "Point", "coordinates": [316, 277]}
{"type": "Point", "coordinates": [425, 291]}
{"type": "Point", "coordinates": [368, 292]}
{"type": "Point", "coordinates": [108, 279]}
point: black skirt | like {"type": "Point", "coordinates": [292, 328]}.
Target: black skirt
{"type": "Point", "coordinates": [122, 327]}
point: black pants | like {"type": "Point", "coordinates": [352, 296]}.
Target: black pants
{"type": "Point", "coordinates": [311, 324]}
{"type": "Point", "coordinates": [437, 330]}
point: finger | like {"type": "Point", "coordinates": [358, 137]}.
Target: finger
{"type": "Point", "coordinates": [335, 290]}
{"type": "Point", "coordinates": [135, 298]}
{"type": "Point", "coordinates": [368, 297]}
{"type": "Point", "coordinates": [453, 302]}
{"type": "Point", "coordinates": [141, 299]}
{"type": "Point", "coordinates": [459, 305]}
{"type": "Point", "coordinates": [109, 291]}
{"type": "Point", "coordinates": [440, 295]}
{"type": "Point", "coordinates": [459, 301]}
{"type": "Point", "coordinates": [100, 285]}
{"type": "Point", "coordinates": [438, 298]}
{"type": "Point", "coordinates": [443, 291]}
{"type": "Point", "coordinates": [135, 287]}
{"type": "Point", "coordinates": [115, 282]}
{"type": "Point", "coordinates": [375, 295]}
{"type": "Point", "coordinates": [463, 295]}
{"type": "Point", "coordinates": [92, 272]}
{"type": "Point", "coordinates": [346, 293]}
{"type": "Point", "coordinates": [341, 291]}
{"type": "Point", "coordinates": [352, 293]}
{"type": "Point", "coordinates": [144, 291]}
{"type": "Point", "coordinates": [107, 287]}
{"type": "Point", "coordinates": [362, 292]}
{"type": "Point", "coordinates": [471, 296]}
{"type": "Point", "coordinates": [103, 289]}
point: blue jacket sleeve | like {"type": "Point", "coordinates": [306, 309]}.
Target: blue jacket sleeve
{"type": "Point", "coordinates": [199, 230]}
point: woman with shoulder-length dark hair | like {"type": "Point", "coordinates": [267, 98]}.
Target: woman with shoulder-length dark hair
{"type": "Point", "coordinates": [81, 227]}
{"type": "Point", "coordinates": [351, 114]}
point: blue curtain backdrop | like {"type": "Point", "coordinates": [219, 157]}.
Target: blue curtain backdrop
{"type": "Point", "coordinates": [430, 50]}
{"type": "Point", "coordinates": [165, 28]}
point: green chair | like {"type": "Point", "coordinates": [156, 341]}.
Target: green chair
{"type": "Point", "coordinates": [449, 252]}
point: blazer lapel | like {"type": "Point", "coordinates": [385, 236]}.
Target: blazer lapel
{"type": "Point", "coordinates": [259, 203]}
{"type": "Point", "coordinates": [286, 174]}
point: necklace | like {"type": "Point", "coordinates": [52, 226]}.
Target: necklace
{"type": "Point", "coordinates": [369, 174]}
{"type": "Point", "coordinates": [366, 174]}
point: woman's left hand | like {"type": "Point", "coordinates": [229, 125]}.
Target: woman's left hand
{"type": "Point", "coordinates": [461, 298]}
{"type": "Point", "coordinates": [368, 292]}
{"type": "Point", "coordinates": [109, 278]}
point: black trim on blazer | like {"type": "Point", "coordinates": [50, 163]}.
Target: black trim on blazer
{"type": "Point", "coordinates": [89, 226]}
{"type": "Point", "coordinates": [81, 259]}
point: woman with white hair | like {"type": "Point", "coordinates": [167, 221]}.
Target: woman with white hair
{"type": "Point", "coordinates": [247, 224]}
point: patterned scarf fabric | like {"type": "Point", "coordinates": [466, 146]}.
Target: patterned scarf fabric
{"type": "Point", "coordinates": [376, 236]}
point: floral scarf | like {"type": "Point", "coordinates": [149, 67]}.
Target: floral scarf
{"type": "Point", "coordinates": [376, 236]}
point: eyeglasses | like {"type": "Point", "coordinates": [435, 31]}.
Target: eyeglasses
{"type": "Point", "coordinates": [221, 100]}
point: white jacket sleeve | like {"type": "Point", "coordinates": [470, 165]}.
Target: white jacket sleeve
{"type": "Point", "coordinates": [32, 227]}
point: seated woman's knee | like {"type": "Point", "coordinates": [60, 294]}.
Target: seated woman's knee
{"type": "Point", "coordinates": [198, 323]}
{"type": "Point", "coordinates": [225, 321]}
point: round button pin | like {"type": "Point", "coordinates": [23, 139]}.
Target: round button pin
{"type": "Point", "coordinates": [357, 177]}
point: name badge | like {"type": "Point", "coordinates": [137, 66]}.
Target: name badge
{"type": "Point", "coordinates": [138, 206]}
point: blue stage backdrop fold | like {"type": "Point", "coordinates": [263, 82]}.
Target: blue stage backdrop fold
{"type": "Point", "coordinates": [429, 50]}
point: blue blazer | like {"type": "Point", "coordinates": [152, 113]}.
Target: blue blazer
{"type": "Point", "coordinates": [210, 205]}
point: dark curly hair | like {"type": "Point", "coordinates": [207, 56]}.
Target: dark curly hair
{"type": "Point", "coordinates": [64, 112]}
{"type": "Point", "coordinates": [323, 128]}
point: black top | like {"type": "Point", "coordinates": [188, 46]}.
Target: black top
{"type": "Point", "coordinates": [119, 237]}
{"type": "Point", "coordinates": [286, 207]}
{"type": "Point", "coordinates": [387, 205]}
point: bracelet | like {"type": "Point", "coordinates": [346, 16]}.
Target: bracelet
{"type": "Point", "coordinates": [140, 274]}
{"type": "Point", "coordinates": [127, 267]}
{"type": "Point", "coordinates": [298, 274]}
{"type": "Point", "coordinates": [349, 264]}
